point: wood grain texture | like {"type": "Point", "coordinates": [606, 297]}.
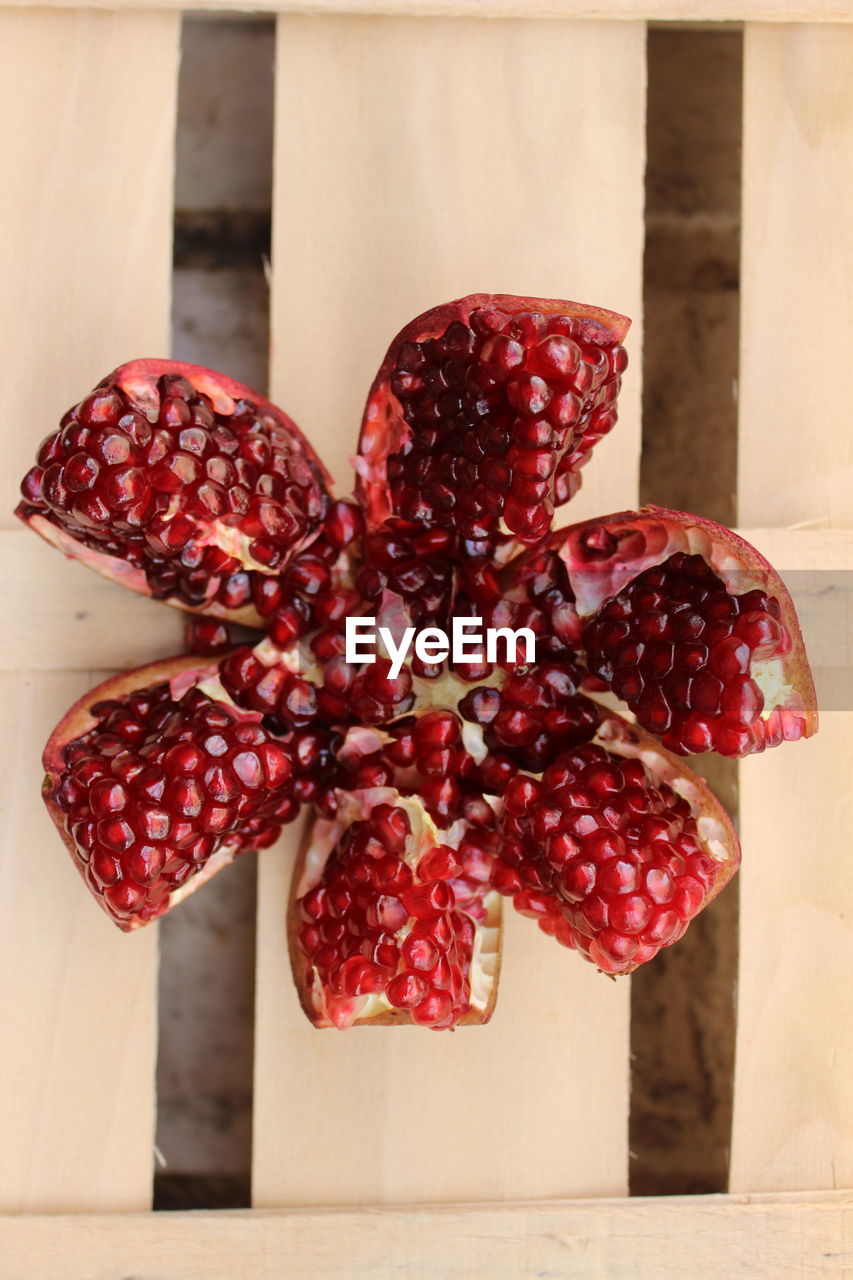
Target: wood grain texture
{"type": "Point", "coordinates": [436, 159]}
{"type": "Point", "coordinates": [415, 162]}
{"type": "Point", "coordinates": [77, 1001]}
{"type": "Point", "coordinates": [693, 12]}
{"type": "Point", "coordinates": [75, 619]}
{"type": "Point", "coordinates": [795, 457]}
{"type": "Point", "coordinates": [793, 1116]}
{"type": "Point", "coordinates": [793, 1096]}
{"type": "Point", "coordinates": [85, 211]}
{"type": "Point", "coordinates": [789, 1237]}
{"type": "Point", "coordinates": [85, 239]}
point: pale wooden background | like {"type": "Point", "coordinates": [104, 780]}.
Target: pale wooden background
{"type": "Point", "coordinates": [400, 177]}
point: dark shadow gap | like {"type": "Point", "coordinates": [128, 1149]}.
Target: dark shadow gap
{"type": "Point", "coordinates": [683, 1003]}
{"type": "Point", "coordinates": [220, 318]}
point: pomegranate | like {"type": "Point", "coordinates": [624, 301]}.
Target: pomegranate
{"type": "Point", "coordinates": [614, 848]}
{"type": "Point", "coordinates": [155, 783]}
{"type": "Point", "coordinates": [179, 483]}
{"type": "Point", "coordinates": [385, 925]}
{"type": "Point", "coordinates": [440, 784]}
{"type": "Point", "coordinates": [683, 620]}
{"type": "Point", "coordinates": [485, 409]}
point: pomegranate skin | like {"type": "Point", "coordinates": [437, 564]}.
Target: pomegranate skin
{"type": "Point", "coordinates": [483, 412]}
{"type": "Point", "coordinates": [180, 483]}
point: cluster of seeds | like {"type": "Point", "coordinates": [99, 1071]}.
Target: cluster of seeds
{"type": "Point", "coordinates": [385, 920]}
{"type": "Point", "coordinates": [615, 853]}
{"type": "Point", "coordinates": [502, 411]}
{"type": "Point", "coordinates": [679, 648]}
{"type": "Point", "coordinates": [534, 716]}
{"type": "Point", "coordinates": [158, 786]}
{"type": "Point", "coordinates": [415, 563]}
{"type": "Point", "coordinates": [202, 502]}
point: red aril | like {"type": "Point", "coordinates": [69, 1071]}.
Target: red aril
{"type": "Point", "coordinates": [683, 620]}
{"type": "Point", "coordinates": [615, 848]}
{"type": "Point", "coordinates": [484, 410]}
{"type": "Point", "coordinates": [155, 783]}
{"type": "Point", "coordinates": [384, 924]}
{"type": "Point", "coordinates": [179, 483]}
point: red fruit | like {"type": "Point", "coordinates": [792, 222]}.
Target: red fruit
{"type": "Point", "coordinates": [384, 925]}
{"type": "Point", "coordinates": [206, 636]}
{"type": "Point", "coordinates": [485, 409]}
{"type": "Point", "coordinates": [180, 483]}
{"type": "Point", "coordinates": [638, 847]}
{"type": "Point", "coordinates": [686, 622]}
{"type": "Point", "coordinates": [150, 786]}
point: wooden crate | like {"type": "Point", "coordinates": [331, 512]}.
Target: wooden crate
{"type": "Point", "coordinates": [422, 152]}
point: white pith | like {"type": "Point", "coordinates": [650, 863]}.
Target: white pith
{"type": "Point", "coordinates": [354, 806]}
{"type": "Point", "coordinates": [769, 675]}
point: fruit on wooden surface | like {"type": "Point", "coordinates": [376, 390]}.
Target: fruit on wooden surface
{"type": "Point", "coordinates": [440, 782]}
{"type": "Point", "coordinates": [615, 847]}
{"type": "Point", "coordinates": [155, 782]}
{"type": "Point", "coordinates": [484, 409]}
{"type": "Point", "coordinates": [385, 923]}
{"type": "Point", "coordinates": [179, 483]}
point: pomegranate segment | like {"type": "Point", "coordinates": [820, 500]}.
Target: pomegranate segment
{"type": "Point", "coordinates": [155, 785]}
{"type": "Point", "coordinates": [385, 924]}
{"type": "Point", "coordinates": [180, 483]}
{"type": "Point", "coordinates": [484, 410]}
{"type": "Point", "coordinates": [615, 848]}
{"type": "Point", "coordinates": [683, 620]}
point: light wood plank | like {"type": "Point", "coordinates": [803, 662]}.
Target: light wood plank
{"type": "Point", "coordinates": [795, 459]}
{"type": "Point", "coordinates": [793, 1102]}
{"type": "Point", "coordinates": [792, 1237]}
{"type": "Point", "coordinates": [70, 619]}
{"type": "Point", "coordinates": [86, 138]}
{"type": "Point", "coordinates": [87, 107]}
{"type": "Point", "coordinates": [77, 1001]}
{"type": "Point", "coordinates": [690, 11]}
{"type": "Point", "coordinates": [420, 161]}
{"type": "Point", "coordinates": [408, 173]}
{"type": "Point", "coordinates": [793, 1120]}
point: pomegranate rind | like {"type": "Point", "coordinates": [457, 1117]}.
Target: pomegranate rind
{"type": "Point", "coordinates": [384, 428]}
{"type": "Point", "coordinates": [648, 537]}
{"type": "Point", "coordinates": [182, 673]}
{"type": "Point", "coordinates": [321, 837]}
{"type": "Point", "coordinates": [138, 381]}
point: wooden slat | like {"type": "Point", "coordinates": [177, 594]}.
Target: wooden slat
{"type": "Point", "coordinates": [690, 11]}
{"type": "Point", "coordinates": [75, 619]}
{"type": "Point", "coordinates": [86, 120]}
{"type": "Point", "coordinates": [793, 1122]}
{"type": "Point", "coordinates": [788, 1237]}
{"type": "Point", "coordinates": [795, 455]}
{"type": "Point", "coordinates": [86, 138]}
{"type": "Point", "coordinates": [417, 161]}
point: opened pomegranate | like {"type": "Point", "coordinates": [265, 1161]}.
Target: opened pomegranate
{"type": "Point", "coordinates": [615, 848]}
{"type": "Point", "coordinates": [385, 924]}
{"type": "Point", "coordinates": [683, 620]}
{"type": "Point", "coordinates": [484, 410]}
{"type": "Point", "coordinates": [440, 781]}
{"type": "Point", "coordinates": [179, 483]}
{"type": "Point", "coordinates": [155, 784]}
